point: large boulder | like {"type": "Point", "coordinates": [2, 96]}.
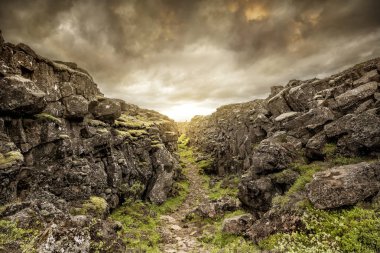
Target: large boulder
{"type": "Point", "coordinates": [353, 96]}
{"type": "Point", "coordinates": [274, 154]}
{"type": "Point", "coordinates": [19, 95]}
{"type": "Point", "coordinates": [76, 106]}
{"type": "Point", "coordinates": [165, 166]}
{"type": "Point", "coordinates": [256, 193]}
{"type": "Point", "coordinates": [105, 109]}
{"type": "Point", "coordinates": [237, 225]}
{"type": "Point", "coordinates": [357, 133]}
{"type": "Point", "coordinates": [344, 185]}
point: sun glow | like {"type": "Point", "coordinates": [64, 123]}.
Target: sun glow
{"type": "Point", "coordinates": [184, 112]}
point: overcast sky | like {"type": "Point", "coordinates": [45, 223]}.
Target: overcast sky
{"type": "Point", "coordinates": [186, 57]}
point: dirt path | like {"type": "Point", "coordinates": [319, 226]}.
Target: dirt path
{"type": "Point", "coordinates": [179, 235]}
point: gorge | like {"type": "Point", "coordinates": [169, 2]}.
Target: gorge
{"type": "Point", "coordinates": [298, 171]}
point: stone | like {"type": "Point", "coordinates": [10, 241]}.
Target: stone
{"type": "Point", "coordinates": [286, 116]}
{"type": "Point", "coordinates": [237, 225]}
{"type": "Point", "coordinates": [372, 75]}
{"type": "Point", "coordinates": [19, 95]}
{"type": "Point", "coordinates": [76, 106]}
{"type": "Point", "coordinates": [106, 109]}
{"type": "Point", "coordinates": [344, 185]}
{"type": "Point", "coordinates": [353, 96]}
{"type": "Point", "coordinates": [272, 155]}
{"type": "Point", "coordinates": [256, 193]}
{"type": "Point", "coordinates": [357, 131]}
{"type": "Point", "coordinates": [277, 105]}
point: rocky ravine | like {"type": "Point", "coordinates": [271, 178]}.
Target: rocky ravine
{"type": "Point", "coordinates": [277, 144]}
{"type": "Point", "coordinates": [65, 149]}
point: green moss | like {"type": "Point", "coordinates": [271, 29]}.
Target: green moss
{"type": "Point", "coordinates": [205, 165]}
{"type": "Point", "coordinates": [306, 175]}
{"type": "Point", "coordinates": [215, 240]}
{"type": "Point", "coordinates": [219, 190]}
{"type": "Point", "coordinates": [130, 122]}
{"type": "Point", "coordinates": [11, 233]}
{"type": "Point", "coordinates": [134, 191]}
{"type": "Point", "coordinates": [349, 230]}
{"type": "Point", "coordinates": [158, 146]}
{"type": "Point", "coordinates": [183, 141]}
{"type": "Point", "coordinates": [102, 130]}
{"type": "Point", "coordinates": [96, 206]}
{"type": "Point", "coordinates": [329, 150]}
{"type": "Point", "coordinates": [140, 220]}
{"type": "Point", "coordinates": [137, 133]}
{"type": "Point", "coordinates": [48, 118]}
{"type": "Point", "coordinates": [340, 160]}
{"type": "Point", "coordinates": [123, 134]}
{"type": "Point", "coordinates": [10, 158]}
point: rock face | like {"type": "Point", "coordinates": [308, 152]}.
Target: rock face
{"type": "Point", "coordinates": [261, 140]}
{"type": "Point", "coordinates": [62, 142]}
{"type": "Point", "coordinates": [344, 185]}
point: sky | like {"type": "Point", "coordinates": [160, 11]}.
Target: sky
{"type": "Point", "coordinates": [188, 57]}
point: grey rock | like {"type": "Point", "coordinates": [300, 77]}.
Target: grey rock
{"type": "Point", "coordinates": [20, 96]}
{"type": "Point", "coordinates": [237, 225]}
{"type": "Point", "coordinates": [353, 96]}
{"type": "Point", "coordinates": [106, 109]}
{"type": "Point", "coordinates": [76, 106]}
{"type": "Point", "coordinates": [344, 185]}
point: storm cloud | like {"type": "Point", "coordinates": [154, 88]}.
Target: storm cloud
{"type": "Point", "coordinates": [174, 55]}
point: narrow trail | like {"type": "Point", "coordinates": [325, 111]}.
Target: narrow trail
{"type": "Point", "coordinates": [179, 235]}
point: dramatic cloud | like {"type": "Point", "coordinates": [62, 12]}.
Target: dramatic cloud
{"type": "Point", "coordinates": [186, 57]}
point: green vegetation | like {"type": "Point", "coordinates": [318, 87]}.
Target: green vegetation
{"type": "Point", "coordinates": [11, 233]}
{"type": "Point", "coordinates": [329, 150]}
{"type": "Point", "coordinates": [186, 153]}
{"type": "Point", "coordinates": [95, 206]}
{"type": "Point", "coordinates": [227, 187]}
{"type": "Point", "coordinates": [341, 160]}
{"type": "Point", "coordinates": [141, 219]}
{"type": "Point", "coordinates": [217, 241]}
{"type": "Point", "coordinates": [10, 158]}
{"type": "Point", "coordinates": [348, 230]}
{"type": "Point", "coordinates": [131, 122]}
{"type": "Point", "coordinates": [48, 118]}
{"type": "Point", "coordinates": [137, 133]}
{"type": "Point", "coordinates": [205, 165]}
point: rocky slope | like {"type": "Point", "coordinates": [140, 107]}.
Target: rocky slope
{"type": "Point", "coordinates": [69, 154]}
{"type": "Point", "coordinates": [278, 144]}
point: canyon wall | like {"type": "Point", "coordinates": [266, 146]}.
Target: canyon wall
{"type": "Point", "coordinates": [271, 143]}
{"type": "Point", "coordinates": [63, 144]}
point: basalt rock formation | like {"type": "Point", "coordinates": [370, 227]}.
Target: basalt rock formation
{"type": "Point", "coordinates": [67, 151]}
{"type": "Point", "coordinates": [265, 141]}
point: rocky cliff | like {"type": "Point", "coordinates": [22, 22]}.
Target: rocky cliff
{"type": "Point", "coordinates": [277, 145]}
{"type": "Point", "coordinates": [66, 149]}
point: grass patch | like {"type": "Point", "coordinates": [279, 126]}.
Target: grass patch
{"type": "Point", "coordinates": [350, 230]}
{"type": "Point", "coordinates": [341, 160]}
{"type": "Point", "coordinates": [225, 188]}
{"type": "Point", "coordinates": [48, 118]}
{"type": "Point", "coordinates": [140, 219]}
{"type": "Point", "coordinates": [216, 241]}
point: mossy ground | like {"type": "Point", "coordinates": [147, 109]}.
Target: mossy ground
{"type": "Point", "coordinates": [347, 230]}
{"type": "Point", "coordinates": [12, 234]}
